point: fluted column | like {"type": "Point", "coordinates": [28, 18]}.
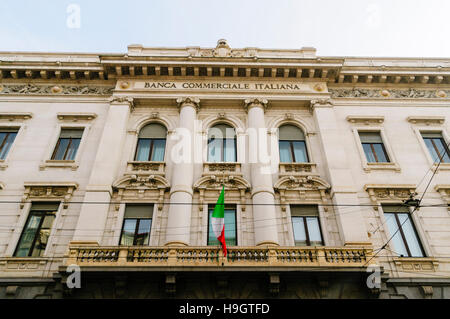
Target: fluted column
{"type": "Point", "coordinates": [92, 219]}
{"type": "Point", "coordinates": [351, 222]}
{"type": "Point", "coordinates": [179, 218]}
{"type": "Point", "coordinates": [264, 213]}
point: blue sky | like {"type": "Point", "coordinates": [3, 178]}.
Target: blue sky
{"type": "Point", "coordinates": [335, 28]}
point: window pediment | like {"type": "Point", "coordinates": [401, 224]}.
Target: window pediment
{"type": "Point", "coordinates": [307, 188]}
{"type": "Point", "coordinates": [397, 192]}
{"type": "Point", "coordinates": [140, 186]}
{"type": "Point", "coordinates": [48, 191]}
{"type": "Point", "coordinates": [211, 185]}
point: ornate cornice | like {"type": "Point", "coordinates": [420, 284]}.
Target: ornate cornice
{"type": "Point", "coordinates": [256, 102]}
{"type": "Point", "coordinates": [188, 101]}
{"type": "Point", "coordinates": [55, 89]}
{"type": "Point", "coordinates": [389, 93]}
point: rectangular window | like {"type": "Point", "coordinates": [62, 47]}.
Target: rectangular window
{"type": "Point", "coordinates": [7, 137]}
{"type": "Point", "coordinates": [221, 150]}
{"type": "Point", "coordinates": [230, 226]}
{"type": "Point", "coordinates": [137, 224]}
{"type": "Point", "coordinates": [406, 241]}
{"type": "Point", "coordinates": [306, 225]}
{"type": "Point", "coordinates": [34, 238]}
{"type": "Point", "coordinates": [373, 147]}
{"type": "Point", "coordinates": [150, 150]}
{"type": "Point", "coordinates": [67, 146]}
{"type": "Point", "coordinates": [437, 147]}
{"type": "Point", "coordinates": [293, 152]}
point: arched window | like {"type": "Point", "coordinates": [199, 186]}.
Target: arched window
{"type": "Point", "coordinates": [151, 143]}
{"type": "Point", "coordinates": [221, 143]}
{"type": "Point", "coordinates": [292, 145]}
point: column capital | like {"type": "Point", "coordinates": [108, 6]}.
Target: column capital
{"type": "Point", "coordinates": [255, 102]}
{"type": "Point", "coordinates": [326, 102]}
{"type": "Point", "coordinates": [128, 100]}
{"type": "Point", "coordinates": [188, 100]}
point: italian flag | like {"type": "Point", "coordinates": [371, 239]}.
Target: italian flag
{"type": "Point", "coordinates": [218, 222]}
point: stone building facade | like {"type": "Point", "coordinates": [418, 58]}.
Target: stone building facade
{"type": "Point", "coordinates": [113, 162]}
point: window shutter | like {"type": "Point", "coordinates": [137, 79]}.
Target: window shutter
{"type": "Point", "coordinates": [153, 131]}
{"type": "Point", "coordinates": [138, 211]}
{"type": "Point", "coordinates": [432, 135]}
{"type": "Point", "coordinates": [370, 137]}
{"type": "Point", "coordinates": [45, 206]}
{"type": "Point", "coordinates": [304, 210]}
{"type": "Point", "coordinates": [291, 133]}
{"type": "Point", "coordinates": [221, 131]}
{"type": "Point", "coordinates": [395, 209]}
{"type": "Point", "coordinates": [71, 133]}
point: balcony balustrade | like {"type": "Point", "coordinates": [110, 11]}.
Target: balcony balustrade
{"type": "Point", "coordinates": [93, 256]}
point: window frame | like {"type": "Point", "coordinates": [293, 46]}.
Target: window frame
{"type": "Point", "coordinates": [319, 222]}
{"type": "Point", "coordinates": [444, 142]}
{"type": "Point", "coordinates": [32, 212]}
{"type": "Point", "coordinates": [291, 146]}
{"type": "Point", "coordinates": [418, 130]}
{"type": "Point", "coordinates": [4, 141]}
{"type": "Point", "coordinates": [402, 235]}
{"type": "Point", "coordinates": [138, 129]}
{"type": "Point", "coordinates": [20, 131]}
{"type": "Point", "coordinates": [48, 162]}
{"type": "Point", "coordinates": [291, 149]}
{"type": "Point", "coordinates": [223, 139]}
{"type": "Point", "coordinates": [58, 143]}
{"type": "Point", "coordinates": [227, 206]}
{"type": "Point", "coordinates": [370, 166]}
{"type": "Point", "coordinates": [151, 148]}
{"type": "Point", "coordinates": [138, 220]}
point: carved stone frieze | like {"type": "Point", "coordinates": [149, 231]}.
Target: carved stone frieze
{"type": "Point", "coordinates": [56, 90]}
{"type": "Point", "coordinates": [390, 93]}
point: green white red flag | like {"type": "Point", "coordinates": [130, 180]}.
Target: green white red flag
{"type": "Point", "coordinates": [218, 220]}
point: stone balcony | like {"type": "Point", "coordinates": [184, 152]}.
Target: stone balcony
{"type": "Point", "coordinates": [227, 168]}
{"type": "Point", "coordinates": [297, 169]}
{"type": "Point", "coordinates": [148, 168]}
{"type": "Point", "coordinates": [208, 257]}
